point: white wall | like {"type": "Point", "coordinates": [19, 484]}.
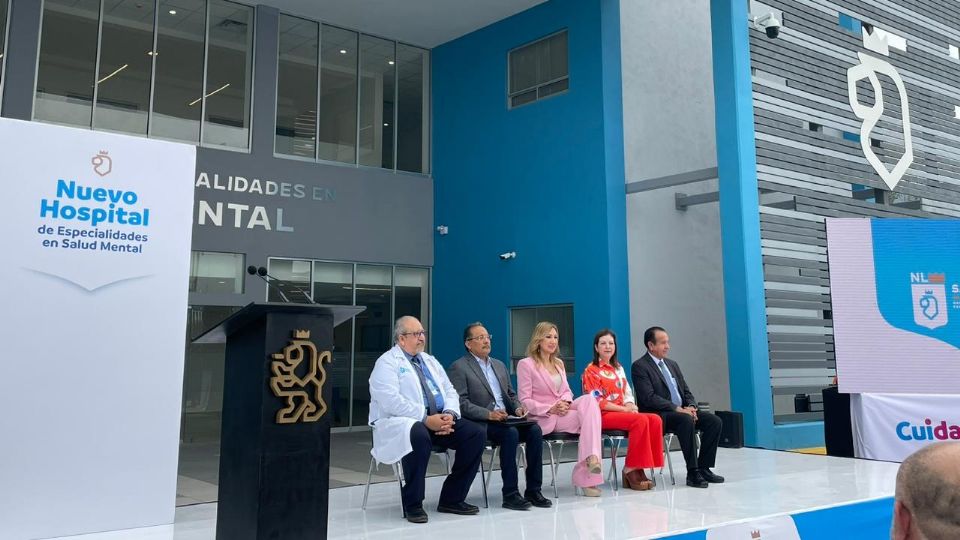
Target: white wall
{"type": "Point", "coordinates": [675, 266]}
{"type": "Point", "coordinates": [667, 87]}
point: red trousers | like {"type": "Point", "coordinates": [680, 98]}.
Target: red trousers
{"type": "Point", "coordinates": [645, 439]}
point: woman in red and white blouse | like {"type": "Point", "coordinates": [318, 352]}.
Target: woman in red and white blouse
{"type": "Point", "coordinates": [606, 380]}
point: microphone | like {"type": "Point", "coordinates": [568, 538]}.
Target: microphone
{"type": "Point", "coordinates": [260, 272]}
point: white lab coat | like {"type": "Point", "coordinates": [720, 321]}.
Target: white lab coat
{"type": "Point", "coordinates": [396, 402]}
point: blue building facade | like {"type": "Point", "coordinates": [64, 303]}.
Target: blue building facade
{"type": "Point", "coordinates": [542, 180]}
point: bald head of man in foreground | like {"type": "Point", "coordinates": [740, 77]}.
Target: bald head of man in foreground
{"type": "Point", "coordinates": [927, 503]}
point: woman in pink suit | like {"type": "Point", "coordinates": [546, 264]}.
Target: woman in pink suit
{"type": "Point", "coordinates": [543, 390]}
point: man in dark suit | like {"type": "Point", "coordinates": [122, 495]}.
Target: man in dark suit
{"type": "Point", "coordinates": [660, 388]}
{"type": "Point", "coordinates": [487, 396]}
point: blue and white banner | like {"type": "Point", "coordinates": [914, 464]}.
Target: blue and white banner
{"type": "Point", "coordinates": [96, 249]}
{"type": "Point", "coordinates": [890, 427]}
{"type": "Point", "coordinates": [895, 292]}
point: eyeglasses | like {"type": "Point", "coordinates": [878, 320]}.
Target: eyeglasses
{"type": "Point", "coordinates": [421, 333]}
{"type": "Point", "coordinates": [481, 338]}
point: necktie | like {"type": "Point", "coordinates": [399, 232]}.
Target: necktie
{"type": "Point", "coordinates": [427, 393]}
{"type": "Point", "coordinates": [674, 394]}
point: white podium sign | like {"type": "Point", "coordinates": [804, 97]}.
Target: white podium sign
{"type": "Point", "coordinates": [890, 427]}
{"type": "Point", "coordinates": [96, 250]}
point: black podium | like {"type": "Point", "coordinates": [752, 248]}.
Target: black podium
{"type": "Point", "coordinates": [275, 435]}
{"type": "Point", "coordinates": [837, 426]}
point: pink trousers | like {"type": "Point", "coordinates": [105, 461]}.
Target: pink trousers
{"type": "Point", "coordinates": [583, 418]}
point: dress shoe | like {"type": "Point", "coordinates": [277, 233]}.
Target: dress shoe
{"type": "Point", "coordinates": [695, 479]}
{"type": "Point", "coordinates": [637, 480]}
{"type": "Point", "coordinates": [590, 491]}
{"type": "Point", "coordinates": [593, 465]}
{"type": "Point", "coordinates": [537, 499]}
{"type": "Point", "coordinates": [415, 514]}
{"type": "Point", "coordinates": [709, 476]}
{"type": "Point", "coordinates": [460, 508]}
{"type": "Point", "coordinates": [514, 501]}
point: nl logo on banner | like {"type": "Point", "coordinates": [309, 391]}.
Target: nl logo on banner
{"type": "Point", "coordinates": [929, 299]}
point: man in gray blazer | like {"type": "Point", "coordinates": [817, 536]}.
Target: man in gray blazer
{"type": "Point", "coordinates": [486, 395]}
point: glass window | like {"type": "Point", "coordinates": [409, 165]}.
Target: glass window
{"type": "Point", "coordinates": [413, 106]}
{"type": "Point", "coordinates": [374, 332]}
{"type": "Point", "coordinates": [123, 86]}
{"type": "Point", "coordinates": [905, 200]}
{"type": "Point", "coordinates": [3, 35]}
{"type": "Point", "coordinates": [412, 293]}
{"type": "Point", "coordinates": [229, 57]}
{"type": "Point", "coordinates": [333, 284]}
{"type": "Point", "coordinates": [212, 272]}
{"type": "Point", "coordinates": [292, 280]}
{"type": "Point", "coordinates": [356, 346]}
{"type": "Point", "coordinates": [377, 89]}
{"type": "Point", "coordinates": [338, 95]}
{"type": "Point", "coordinates": [522, 322]}
{"type": "Point", "coordinates": [538, 70]}
{"type": "Point", "coordinates": [67, 64]}
{"type": "Point", "coordinates": [179, 70]}
{"type": "Point", "coordinates": [203, 372]}
{"type": "Point", "coordinates": [299, 47]}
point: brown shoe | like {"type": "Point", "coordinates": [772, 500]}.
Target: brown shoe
{"type": "Point", "coordinates": [637, 480]}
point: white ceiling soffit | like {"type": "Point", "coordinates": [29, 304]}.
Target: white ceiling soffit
{"type": "Point", "coordinates": [426, 23]}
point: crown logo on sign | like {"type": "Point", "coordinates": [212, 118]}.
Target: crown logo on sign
{"type": "Point", "coordinates": [755, 535]}
{"type": "Point", "coordinates": [301, 334]}
{"type": "Point", "coordinates": [102, 163]}
{"type": "Point", "coordinates": [881, 41]}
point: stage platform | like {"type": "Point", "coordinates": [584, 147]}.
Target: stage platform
{"type": "Point", "coordinates": [828, 498]}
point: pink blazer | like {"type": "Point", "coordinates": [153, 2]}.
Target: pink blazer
{"type": "Point", "coordinates": [537, 394]}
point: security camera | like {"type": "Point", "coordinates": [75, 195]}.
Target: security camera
{"type": "Point", "coordinates": [768, 23]}
{"type": "Point", "coordinates": [508, 255]}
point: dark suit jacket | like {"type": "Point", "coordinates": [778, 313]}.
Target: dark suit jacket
{"type": "Point", "coordinates": [476, 396]}
{"type": "Point", "coordinates": [652, 392]}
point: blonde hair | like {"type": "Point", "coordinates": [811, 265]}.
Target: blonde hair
{"type": "Point", "coordinates": [533, 348]}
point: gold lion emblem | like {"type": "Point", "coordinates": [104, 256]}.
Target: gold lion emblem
{"type": "Point", "coordinates": [302, 404]}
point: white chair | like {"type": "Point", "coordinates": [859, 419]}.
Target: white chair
{"type": "Point", "coordinates": [398, 472]}
{"type": "Point", "coordinates": [494, 449]}
{"type": "Point", "coordinates": [557, 438]}
{"type": "Point", "coordinates": [667, 442]}
{"type": "Point", "coordinates": [614, 438]}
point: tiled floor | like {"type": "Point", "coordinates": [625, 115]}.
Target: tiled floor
{"type": "Point", "coordinates": [759, 483]}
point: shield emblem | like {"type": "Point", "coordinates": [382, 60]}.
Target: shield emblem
{"type": "Point", "coordinates": [929, 305]}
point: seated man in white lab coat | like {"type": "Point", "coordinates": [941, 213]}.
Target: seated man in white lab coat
{"type": "Point", "coordinates": [413, 407]}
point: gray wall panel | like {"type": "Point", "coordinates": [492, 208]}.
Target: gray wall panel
{"type": "Point", "coordinates": [674, 257]}
{"type": "Point", "coordinates": [372, 216]}
{"type": "Point", "coordinates": [807, 174]}
{"type": "Point", "coordinates": [22, 46]}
